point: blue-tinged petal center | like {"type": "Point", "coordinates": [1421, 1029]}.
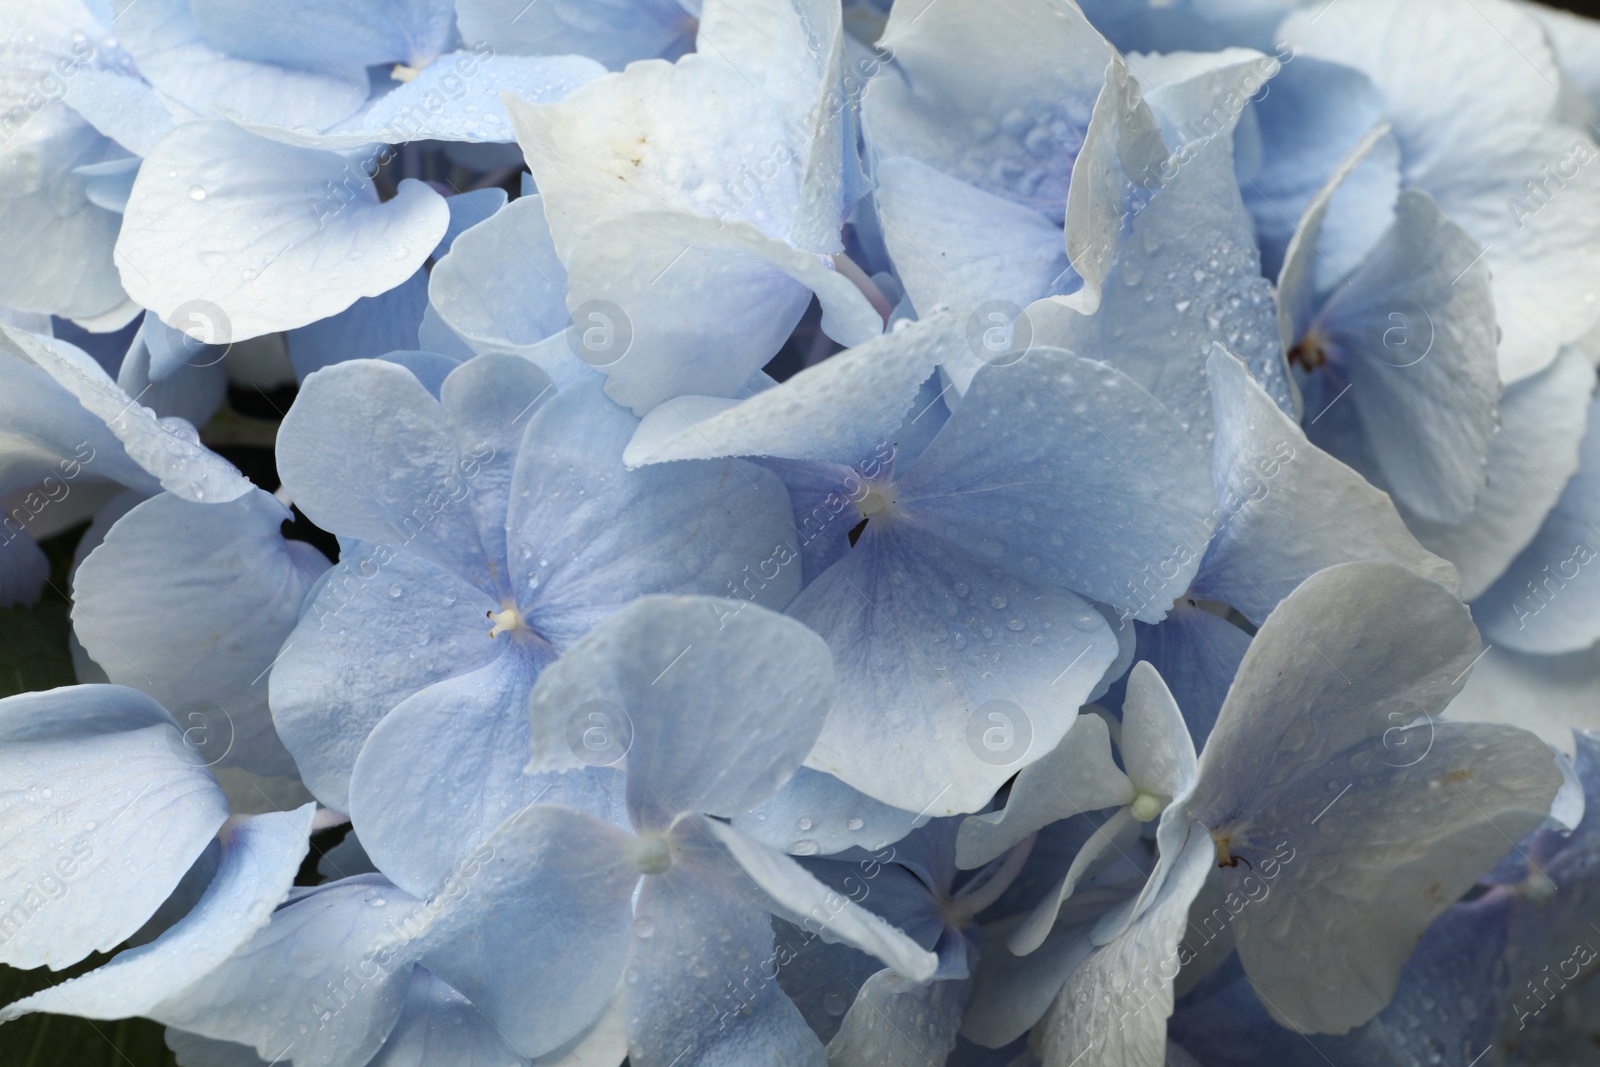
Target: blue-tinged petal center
{"type": "Point", "coordinates": [878, 502]}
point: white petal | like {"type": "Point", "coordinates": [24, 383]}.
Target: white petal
{"type": "Point", "coordinates": [269, 235]}
{"type": "Point", "coordinates": [1078, 775]}
{"type": "Point", "coordinates": [259, 859]}
{"type": "Point", "coordinates": [795, 895]}
{"type": "Point", "coordinates": [1116, 1004]}
{"type": "Point", "coordinates": [97, 780]}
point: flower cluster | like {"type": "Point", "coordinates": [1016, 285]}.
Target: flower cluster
{"type": "Point", "coordinates": [710, 533]}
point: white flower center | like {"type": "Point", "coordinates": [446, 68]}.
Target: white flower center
{"type": "Point", "coordinates": [504, 621]}
{"type": "Point", "coordinates": [1145, 806]}
{"type": "Point", "coordinates": [878, 500]}
{"type": "Point", "coordinates": [652, 855]}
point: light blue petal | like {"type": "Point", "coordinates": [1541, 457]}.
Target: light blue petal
{"type": "Point", "coordinates": [120, 106]}
{"type": "Point", "coordinates": [1011, 993]}
{"type": "Point", "coordinates": [533, 926]}
{"type": "Point", "coordinates": [365, 452]}
{"type": "Point", "coordinates": [1050, 459]}
{"type": "Point", "coordinates": [371, 327]}
{"type": "Point", "coordinates": [1358, 651]}
{"type": "Point", "coordinates": [227, 588]}
{"type": "Point", "coordinates": [1078, 775]}
{"type": "Point", "coordinates": [705, 303]}
{"type": "Point", "coordinates": [268, 236]}
{"type": "Point", "coordinates": [717, 526]}
{"type": "Point", "coordinates": [1540, 256]}
{"type": "Point", "coordinates": [1543, 603]}
{"type": "Point", "coordinates": [457, 98]}
{"type": "Point", "coordinates": [501, 283]}
{"type": "Point", "coordinates": [1155, 745]}
{"type": "Point", "coordinates": [934, 642]}
{"type": "Point", "coordinates": [960, 245]}
{"type": "Point", "coordinates": [439, 1025]}
{"type": "Point", "coordinates": [97, 780]}
{"type": "Point", "coordinates": [788, 890]}
{"type": "Point", "coordinates": [817, 814]}
{"type": "Point", "coordinates": [1122, 158]}
{"type": "Point", "coordinates": [1117, 1003]}
{"type": "Point", "coordinates": [348, 35]}
{"type": "Point", "coordinates": [194, 378]}
{"type": "Point", "coordinates": [1542, 422]}
{"type": "Point", "coordinates": [429, 368]}
{"type": "Point", "coordinates": [722, 700]}
{"type": "Point", "coordinates": [1197, 653]}
{"type": "Point", "coordinates": [698, 983]}
{"type": "Point", "coordinates": [108, 185]}
{"type": "Point", "coordinates": [158, 450]}
{"type": "Point", "coordinates": [846, 409]}
{"type": "Point", "coordinates": [490, 401]}
{"type": "Point", "coordinates": [424, 791]}
{"type": "Point", "coordinates": [1415, 837]}
{"type": "Point", "coordinates": [996, 95]}
{"type": "Point", "coordinates": [1287, 509]}
{"type": "Point", "coordinates": [322, 983]}
{"type": "Point", "coordinates": [379, 625]}
{"type": "Point", "coordinates": [174, 56]}
{"type": "Point", "coordinates": [1187, 278]}
{"type": "Point", "coordinates": [615, 32]}
{"type": "Point", "coordinates": [1415, 327]}
{"type": "Point", "coordinates": [899, 1023]}
{"type": "Point", "coordinates": [797, 53]}
{"type": "Point", "coordinates": [1310, 119]}
{"type": "Point", "coordinates": [466, 211]}
{"type": "Point", "coordinates": [259, 858]}
{"type": "Point", "coordinates": [640, 141]}
{"type": "Point", "coordinates": [58, 241]}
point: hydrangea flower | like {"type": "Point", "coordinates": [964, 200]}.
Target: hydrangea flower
{"type": "Point", "coordinates": [839, 533]}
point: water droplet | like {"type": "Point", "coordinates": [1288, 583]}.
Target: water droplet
{"type": "Point", "coordinates": [196, 192]}
{"type": "Point", "coordinates": [804, 847]}
{"type": "Point", "coordinates": [834, 1003]}
{"type": "Point", "coordinates": [644, 927]}
{"type": "Point", "coordinates": [394, 590]}
{"type": "Point", "coordinates": [853, 824]}
{"type": "Point", "coordinates": [998, 602]}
